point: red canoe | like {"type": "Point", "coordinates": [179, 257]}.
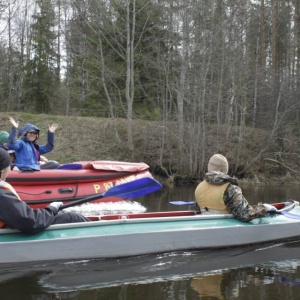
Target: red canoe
{"type": "Point", "coordinates": [74, 181]}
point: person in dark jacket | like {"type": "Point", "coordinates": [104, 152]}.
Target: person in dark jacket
{"type": "Point", "coordinates": [16, 214]}
{"type": "Point", "coordinates": [220, 193]}
{"type": "Point", "coordinates": [27, 150]}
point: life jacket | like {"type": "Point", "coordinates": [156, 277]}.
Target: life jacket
{"type": "Point", "coordinates": [211, 196]}
{"type": "Point", "coordinates": [6, 186]}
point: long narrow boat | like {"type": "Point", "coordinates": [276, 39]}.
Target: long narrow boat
{"type": "Point", "coordinates": [130, 235]}
{"type": "Point", "coordinates": [74, 181]}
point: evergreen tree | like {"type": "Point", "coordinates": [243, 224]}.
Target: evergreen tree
{"type": "Point", "coordinates": [41, 71]}
{"type": "Point", "coordinates": [97, 42]}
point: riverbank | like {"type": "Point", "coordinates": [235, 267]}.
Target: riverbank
{"type": "Point", "coordinates": [86, 138]}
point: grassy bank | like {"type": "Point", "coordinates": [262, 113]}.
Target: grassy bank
{"type": "Point", "coordinates": [85, 138]}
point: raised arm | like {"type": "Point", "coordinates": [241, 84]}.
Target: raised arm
{"type": "Point", "coordinates": [13, 122]}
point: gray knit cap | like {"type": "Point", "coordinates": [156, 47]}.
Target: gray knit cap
{"type": "Point", "coordinates": [218, 163]}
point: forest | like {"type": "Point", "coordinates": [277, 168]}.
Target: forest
{"type": "Point", "coordinates": [212, 75]}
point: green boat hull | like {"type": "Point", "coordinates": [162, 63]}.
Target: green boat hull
{"type": "Point", "coordinates": [128, 237]}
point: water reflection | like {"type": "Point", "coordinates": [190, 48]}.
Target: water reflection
{"type": "Point", "coordinates": [209, 285]}
{"type": "Point", "coordinates": [262, 272]}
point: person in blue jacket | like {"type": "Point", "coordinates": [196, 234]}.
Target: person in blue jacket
{"type": "Point", "coordinates": [27, 150]}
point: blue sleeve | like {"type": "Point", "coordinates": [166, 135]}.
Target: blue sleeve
{"type": "Point", "coordinates": [13, 143]}
{"type": "Point", "coordinates": [50, 144]}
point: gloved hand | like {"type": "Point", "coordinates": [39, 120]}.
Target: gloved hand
{"type": "Point", "coordinates": [269, 207]}
{"type": "Point", "coordinates": [57, 205]}
{"type": "Point", "coordinates": [272, 210]}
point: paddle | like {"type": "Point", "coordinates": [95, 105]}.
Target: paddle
{"type": "Point", "coordinates": [71, 166]}
{"type": "Point", "coordinates": [290, 215]}
{"type": "Point", "coordinates": [136, 188]}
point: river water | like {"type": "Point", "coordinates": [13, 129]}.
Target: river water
{"type": "Point", "coordinates": [270, 271]}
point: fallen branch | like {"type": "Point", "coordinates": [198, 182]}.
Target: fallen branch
{"type": "Point", "coordinates": [282, 164]}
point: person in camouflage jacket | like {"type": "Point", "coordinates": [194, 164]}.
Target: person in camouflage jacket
{"type": "Point", "coordinates": [220, 192]}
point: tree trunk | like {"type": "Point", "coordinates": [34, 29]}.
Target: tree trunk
{"type": "Point", "coordinates": [262, 38]}
{"type": "Point", "coordinates": [274, 41]}
{"type": "Point", "coordinates": [130, 30]}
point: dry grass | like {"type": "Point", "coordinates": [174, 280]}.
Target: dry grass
{"type": "Point", "coordinates": [85, 138]}
{"type": "Point", "coordinates": [82, 138]}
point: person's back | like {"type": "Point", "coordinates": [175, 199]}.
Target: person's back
{"type": "Point", "coordinates": [220, 193]}
{"type": "Point", "coordinates": [209, 193]}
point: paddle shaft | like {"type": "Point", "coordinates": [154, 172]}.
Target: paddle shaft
{"type": "Point", "coordinates": [48, 201]}
{"type": "Point", "coordinates": [136, 188]}
{"type": "Point", "coordinates": [84, 200]}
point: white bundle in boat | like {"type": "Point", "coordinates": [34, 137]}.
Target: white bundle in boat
{"type": "Point", "coordinates": [107, 208]}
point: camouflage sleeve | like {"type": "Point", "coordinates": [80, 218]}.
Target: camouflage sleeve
{"type": "Point", "coordinates": [238, 205]}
